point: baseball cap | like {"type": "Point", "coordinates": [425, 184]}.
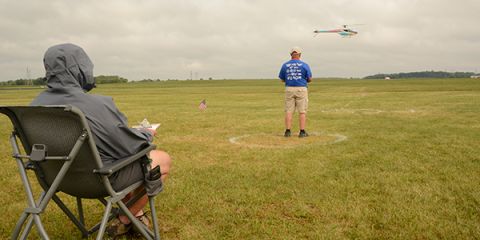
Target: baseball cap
{"type": "Point", "coordinates": [295, 49]}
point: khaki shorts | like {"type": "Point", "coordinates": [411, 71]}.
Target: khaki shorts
{"type": "Point", "coordinates": [296, 97]}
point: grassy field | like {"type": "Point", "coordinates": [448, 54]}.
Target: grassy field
{"type": "Point", "coordinates": [400, 162]}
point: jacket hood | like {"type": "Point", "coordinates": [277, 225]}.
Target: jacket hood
{"type": "Point", "coordinates": [68, 66]}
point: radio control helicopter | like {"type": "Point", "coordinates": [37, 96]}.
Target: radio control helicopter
{"type": "Point", "coordinates": [344, 32]}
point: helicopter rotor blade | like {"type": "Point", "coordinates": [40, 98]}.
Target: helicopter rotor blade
{"type": "Point", "coordinates": [345, 25]}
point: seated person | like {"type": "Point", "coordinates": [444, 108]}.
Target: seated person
{"type": "Point", "coordinates": [69, 76]}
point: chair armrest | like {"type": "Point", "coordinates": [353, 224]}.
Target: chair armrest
{"type": "Point", "coordinates": [121, 163]}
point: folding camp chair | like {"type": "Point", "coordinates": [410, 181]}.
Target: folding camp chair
{"type": "Point", "coordinates": [61, 151]}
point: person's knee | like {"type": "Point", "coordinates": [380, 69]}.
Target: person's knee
{"type": "Point", "coordinates": [162, 159]}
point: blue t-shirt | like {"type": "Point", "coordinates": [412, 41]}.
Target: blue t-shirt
{"type": "Point", "coordinates": [295, 73]}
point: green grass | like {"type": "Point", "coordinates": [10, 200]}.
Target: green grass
{"type": "Point", "coordinates": [408, 169]}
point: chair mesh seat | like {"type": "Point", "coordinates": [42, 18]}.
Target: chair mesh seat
{"type": "Point", "coordinates": [59, 132]}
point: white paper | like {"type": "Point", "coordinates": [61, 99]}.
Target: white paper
{"type": "Point", "coordinates": [155, 126]}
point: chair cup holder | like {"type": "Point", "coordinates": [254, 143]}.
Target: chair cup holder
{"type": "Point", "coordinates": [153, 187]}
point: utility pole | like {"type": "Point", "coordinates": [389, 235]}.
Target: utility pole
{"type": "Point", "coordinates": [29, 78]}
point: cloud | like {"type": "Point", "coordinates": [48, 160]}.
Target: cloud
{"type": "Point", "coordinates": [243, 38]}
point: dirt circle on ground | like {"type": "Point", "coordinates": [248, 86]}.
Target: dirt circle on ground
{"type": "Point", "coordinates": [278, 140]}
{"type": "Point", "coordinates": [353, 111]}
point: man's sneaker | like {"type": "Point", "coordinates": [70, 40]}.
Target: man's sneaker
{"type": "Point", "coordinates": [303, 134]}
{"type": "Point", "coordinates": [143, 219]}
{"type": "Point", "coordinates": [117, 228]}
{"type": "Point", "coordinates": [287, 133]}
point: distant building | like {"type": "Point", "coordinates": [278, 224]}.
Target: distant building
{"type": "Point", "coordinates": [474, 76]}
{"type": "Point", "coordinates": [387, 78]}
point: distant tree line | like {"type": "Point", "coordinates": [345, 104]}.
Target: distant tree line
{"type": "Point", "coordinates": [109, 79]}
{"type": "Point", "coordinates": [21, 82]}
{"type": "Point", "coordinates": [426, 74]}
{"type": "Point", "coordinates": [159, 80]}
{"type": "Point", "coordinates": [40, 81]}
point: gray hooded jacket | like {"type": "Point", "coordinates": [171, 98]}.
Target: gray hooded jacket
{"type": "Point", "coordinates": [69, 76]}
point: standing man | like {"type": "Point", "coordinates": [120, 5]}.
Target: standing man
{"type": "Point", "coordinates": [296, 74]}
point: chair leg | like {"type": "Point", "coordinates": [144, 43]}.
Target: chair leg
{"type": "Point", "coordinates": [103, 201]}
{"type": "Point", "coordinates": [113, 214]}
{"type": "Point", "coordinates": [81, 217]}
{"type": "Point", "coordinates": [30, 197]}
{"type": "Point", "coordinates": [80, 211]}
{"type": "Point", "coordinates": [80, 224]}
{"type": "Point", "coordinates": [35, 217]}
{"type": "Point", "coordinates": [154, 218]}
{"type": "Point", "coordinates": [133, 200]}
{"type": "Point", "coordinates": [19, 225]}
{"type": "Point", "coordinates": [40, 229]}
{"type": "Point", "coordinates": [103, 225]}
{"type": "Point", "coordinates": [27, 229]}
{"type": "Point", "coordinates": [135, 221]}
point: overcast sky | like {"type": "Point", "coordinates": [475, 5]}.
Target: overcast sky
{"type": "Point", "coordinates": [241, 39]}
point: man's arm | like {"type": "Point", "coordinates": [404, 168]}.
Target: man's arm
{"type": "Point", "coordinates": [309, 80]}
{"type": "Point", "coordinates": [283, 80]}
